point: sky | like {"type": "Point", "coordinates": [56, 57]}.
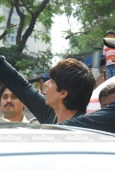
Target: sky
{"type": "Point", "coordinates": [59, 43]}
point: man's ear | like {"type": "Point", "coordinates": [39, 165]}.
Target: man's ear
{"type": "Point", "coordinates": [64, 93]}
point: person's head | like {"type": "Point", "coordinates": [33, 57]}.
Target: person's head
{"type": "Point", "coordinates": [110, 34]}
{"type": "Point", "coordinates": [107, 95]}
{"type": "Point", "coordinates": [10, 105]}
{"type": "Point", "coordinates": [71, 83]}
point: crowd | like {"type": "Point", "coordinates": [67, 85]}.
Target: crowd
{"type": "Point", "coordinates": [68, 92]}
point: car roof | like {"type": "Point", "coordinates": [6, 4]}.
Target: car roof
{"type": "Point", "coordinates": [45, 138]}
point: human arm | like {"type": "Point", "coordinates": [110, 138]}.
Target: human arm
{"type": "Point", "coordinates": [26, 93]}
{"type": "Point", "coordinates": [103, 119]}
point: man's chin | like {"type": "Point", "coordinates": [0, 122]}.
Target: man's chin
{"type": "Point", "coordinates": [8, 114]}
{"type": "Point", "coordinates": [47, 103]}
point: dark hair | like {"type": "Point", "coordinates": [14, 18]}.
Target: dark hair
{"type": "Point", "coordinates": [2, 88]}
{"type": "Point", "coordinates": [110, 32]}
{"type": "Point", "coordinates": [109, 89]}
{"type": "Point", "coordinates": [73, 76]}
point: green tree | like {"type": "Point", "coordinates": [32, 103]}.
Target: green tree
{"type": "Point", "coordinates": [28, 64]}
{"type": "Point", "coordinates": [30, 12]}
{"type": "Point", "coordinates": [96, 17]}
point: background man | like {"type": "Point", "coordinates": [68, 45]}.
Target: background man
{"type": "Point", "coordinates": [11, 107]}
{"type": "Point", "coordinates": [107, 95]}
{"type": "Point", "coordinates": [109, 53]}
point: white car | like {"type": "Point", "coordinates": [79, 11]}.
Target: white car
{"type": "Point", "coordinates": [53, 147]}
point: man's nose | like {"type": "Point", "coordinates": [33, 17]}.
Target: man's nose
{"type": "Point", "coordinates": [9, 99]}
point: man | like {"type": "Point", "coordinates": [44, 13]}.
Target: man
{"type": "Point", "coordinates": [67, 92]}
{"type": "Point", "coordinates": [11, 107]}
{"type": "Point", "coordinates": [109, 53]}
{"type": "Point", "coordinates": [107, 95]}
{"type": "Point", "coordinates": [103, 119]}
{"type": "Point", "coordinates": [76, 80]}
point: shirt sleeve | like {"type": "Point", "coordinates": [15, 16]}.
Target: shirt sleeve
{"type": "Point", "coordinates": [25, 91]}
{"type": "Point", "coordinates": [103, 119]}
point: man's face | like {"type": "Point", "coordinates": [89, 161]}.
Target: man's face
{"type": "Point", "coordinates": [107, 100]}
{"type": "Point", "coordinates": [53, 97]}
{"type": "Point", "coordinates": [110, 36]}
{"type": "Point", "coordinates": [10, 104]}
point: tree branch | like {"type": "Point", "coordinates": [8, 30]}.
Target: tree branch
{"type": "Point", "coordinates": [31, 26]}
{"type": "Point", "coordinates": [41, 7]}
{"type": "Point", "coordinates": [17, 6]}
{"type": "Point", "coordinates": [71, 35]}
{"type": "Point", "coordinates": [24, 4]}
{"type": "Point", "coordinates": [90, 29]}
{"type": "Point", "coordinates": [8, 25]}
{"type": "Point", "coordinates": [22, 21]}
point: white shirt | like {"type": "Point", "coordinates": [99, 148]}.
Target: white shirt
{"type": "Point", "coordinates": [24, 120]}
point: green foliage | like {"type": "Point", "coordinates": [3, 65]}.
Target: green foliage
{"type": "Point", "coordinates": [1, 19]}
{"type": "Point", "coordinates": [96, 16]}
{"type": "Point", "coordinates": [46, 18]}
{"type": "Point", "coordinates": [28, 65]}
{"type": "Point", "coordinates": [30, 12]}
{"type": "Point", "coordinates": [86, 42]}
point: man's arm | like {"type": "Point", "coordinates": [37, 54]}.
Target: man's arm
{"type": "Point", "coordinates": [103, 119]}
{"type": "Point", "coordinates": [26, 93]}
